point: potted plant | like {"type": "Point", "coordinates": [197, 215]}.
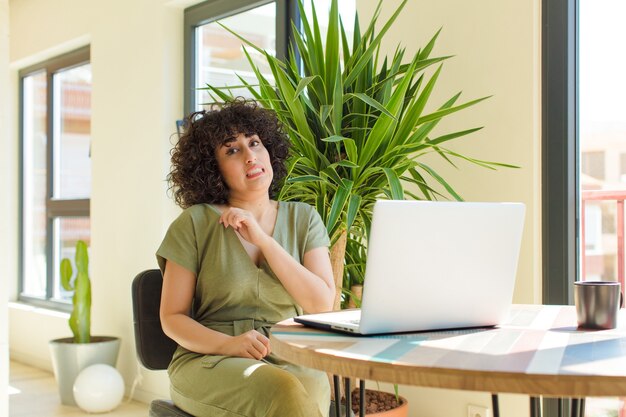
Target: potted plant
{"type": "Point", "coordinates": [360, 125]}
{"type": "Point", "coordinates": [72, 354]}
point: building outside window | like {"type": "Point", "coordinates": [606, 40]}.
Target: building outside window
{"type": "Point", "coordinates": [55, 113]}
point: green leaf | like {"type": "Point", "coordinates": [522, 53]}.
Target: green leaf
{"type": "Point", "coordinates": [305, 178]}
{"type": "Point", "coordinates": [337, 113]}
{"type": "Point", "coordinates": [450, 136]}
{"type": "Point", "coordinates": [353, 209]}
{"type": "Point", "coordinates": [345, 48]}
{"type": "Point", "coordinates": [345, 163]}
{"type": "Point", "coordinates": [397, 192]}
{"type": "Point", "coordinates": [217, 91]}
{"type": "Point", "coordinates": [351, 150]}
{"type": "Point", "coordinates": [334, 139]}
{"type": "Point", "coordinates": [325, 110]}
{"type": "Point", "coordinates": [441, 113]}
{"type": "Point", "coordinates": [302, 85]}
{"type": "Point", "coordinates": [384, 127]}
{"type": "Point", "coordinates": [412, 116]}
{"type": "Point", "coordinates": [440, 180]}
{"type": "Point", "coordinates": [429, 47]}
{"type": "Point", "coordinates": [367, 54]}
{"type": "Point", "coordinates": [368, 100]}
{"type": "Point", "coordinates": [338, 203]}
{"type": "Point", "coordinates": [333, 72]}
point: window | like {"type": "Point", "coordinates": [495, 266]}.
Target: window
{"type": "Point", "coordinates": [220, 57]}
{"type": "Point", "coordinates": [55, 112]}
{"type": "Point", "coordinates": [213, 55]}
{"type": "Point", "coordinates": [580, 117]}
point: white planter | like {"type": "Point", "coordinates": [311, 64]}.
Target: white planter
{"type": "Point", "coordinates": [69, 358]}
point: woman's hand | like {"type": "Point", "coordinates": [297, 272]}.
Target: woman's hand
{"type": "Point", "coordinates": [250, 344]}
{"type": "Point", "coordinates": [245, 224]}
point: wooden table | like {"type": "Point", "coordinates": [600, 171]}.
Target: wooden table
{"type": "Point", "coordinates": [538, 351]}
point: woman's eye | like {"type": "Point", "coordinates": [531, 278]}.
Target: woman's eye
{"type": "Point", "coordinates": [255, 142]}
{"type": "Point", "coordinates": [231, 151]}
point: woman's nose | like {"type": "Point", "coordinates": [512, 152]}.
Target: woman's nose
{"type": "Point", "coordinates": [249, 155]}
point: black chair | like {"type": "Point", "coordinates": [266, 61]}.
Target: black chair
{"type": "Point", "coordinates": [154, 348]}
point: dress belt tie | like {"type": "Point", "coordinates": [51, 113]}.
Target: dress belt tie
{"type": "Point", "coordinates": [243, 325]}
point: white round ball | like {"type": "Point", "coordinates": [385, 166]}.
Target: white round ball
{"type": "Point", "coordinates": [98, 388]}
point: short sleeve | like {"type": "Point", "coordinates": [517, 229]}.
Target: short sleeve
{"type": "Point", "coordinates": [179, 244]}
{"type": "Point", "coordinates": [317, 236]}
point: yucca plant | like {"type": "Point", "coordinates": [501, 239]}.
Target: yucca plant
{"type": "Point", "coordinates": [359, 124]}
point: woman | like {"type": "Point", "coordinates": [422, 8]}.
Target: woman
{"type": "Point", "coordinates": [234, 263]}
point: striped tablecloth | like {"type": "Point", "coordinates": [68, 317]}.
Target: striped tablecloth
{"type": "Point", "coordinates": [538, 351]}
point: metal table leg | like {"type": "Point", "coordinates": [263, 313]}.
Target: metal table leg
{"type": "Point", "coordinates": [361, 398]}
{"type": "Point", "coordinates": [348, 396]}
{"type": "Point", "coordinates": [578, 407]}
{"type": "Point", "coordinates": [336, 388]}
{"type": "Point", "coordinates": [496, 405]}
{"type": "Point", "coordinates": [535, 407]}
{"type": "Point", "coordinates": [582, 407]}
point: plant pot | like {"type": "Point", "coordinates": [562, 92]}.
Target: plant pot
{"type": "Point", "coordinates": [69, 358]}
{"type": "Point", "coordinates": [401, 410]}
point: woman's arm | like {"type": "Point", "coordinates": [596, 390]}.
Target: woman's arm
{"type": "Point", "coordinates": [179, 285]}
{"type": "Point", "coordinates": [311, 284]}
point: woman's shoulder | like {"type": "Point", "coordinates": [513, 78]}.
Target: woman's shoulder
{"type": "Point", "coordinates": [198, 213]}
{"type": "Point", "coordinates": [298, 208]}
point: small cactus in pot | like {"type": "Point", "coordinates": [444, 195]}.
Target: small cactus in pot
{"type": "Point", "coordinates": [80, 319]}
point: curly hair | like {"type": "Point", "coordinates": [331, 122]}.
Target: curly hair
{"type": "Point", "coordinates": [195, 177]}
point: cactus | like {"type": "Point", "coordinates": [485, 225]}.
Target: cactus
{"type": "Point", "coordinates": [80, 319]}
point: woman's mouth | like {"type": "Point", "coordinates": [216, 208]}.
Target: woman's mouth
{"type": "Point", "coordinates": [255, 172]}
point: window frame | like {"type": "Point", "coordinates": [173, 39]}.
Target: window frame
{"type": "Point", "coordinates": [55, 208]}
{"type": "Point", "coordinates": [559, 160]}
{"type": "Point", "coordinates": [212, 10]}
{"type": "Point", "coordinates": [560, 149]}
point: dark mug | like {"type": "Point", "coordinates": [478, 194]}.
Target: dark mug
{"type": "Point", "coordinates": [597, 303]}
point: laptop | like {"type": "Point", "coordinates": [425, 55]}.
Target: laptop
{"type": "Point", "coordinates": [434, 265]}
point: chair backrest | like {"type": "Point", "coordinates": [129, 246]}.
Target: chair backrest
{"type": "Point", "coordinates": [154, 348]}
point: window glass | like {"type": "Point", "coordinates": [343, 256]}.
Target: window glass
{"type": "Point", "coordinates": [34, 183]}
{"type": "Point", "coordinates": [68, 231]}
{"type": "Point", "coordinates": [220, 55]}
{"type": "Point", "coordinates": [72, 122]}
{"type": "Point", "coordinates": [602, 87]}
{"type": "Point", "coordinates": [592, 165]}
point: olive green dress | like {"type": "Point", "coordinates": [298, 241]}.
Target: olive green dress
{"type": "Point", "coordinates": [233, 296]}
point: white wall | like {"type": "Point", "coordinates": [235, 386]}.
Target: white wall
{"type": "Point", "coordinates": [5, 221]}
{"type": "Point", "coordinates": [496, 48]}
{"type": "Point", "coordinates": [137, 53]}
{"type": "Point", "coordinates": [137, 64]}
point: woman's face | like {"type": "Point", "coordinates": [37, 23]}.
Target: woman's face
{"type": "Point", "coordinates": [245, 165]}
